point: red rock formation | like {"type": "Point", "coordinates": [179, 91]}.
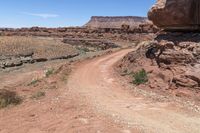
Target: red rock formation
{"type": "Point", "coordinates": [176, 14]}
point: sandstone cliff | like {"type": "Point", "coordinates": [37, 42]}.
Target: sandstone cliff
{"type": "Point", "coordinates": [176, 14]}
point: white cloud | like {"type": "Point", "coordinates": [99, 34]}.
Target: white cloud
{"type": "Point", "coordinates": [42, 15]}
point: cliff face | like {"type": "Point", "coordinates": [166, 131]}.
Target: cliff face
{"type": "Point", "coordinates": [115, 22]}
{"type": "Point", "coordinates": [176, 14]}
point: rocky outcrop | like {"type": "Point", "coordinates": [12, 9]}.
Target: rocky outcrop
{"type": "Point", "coordinates": [178, 71]}
{"type": "Point", "coordinates": [14, 61]}
{"type": "Point", "coordinates": [115, 22]}
{"type": "Point", "coordinates": [176, 14]}
{"type": "Point", "coordinates": [183, 58]}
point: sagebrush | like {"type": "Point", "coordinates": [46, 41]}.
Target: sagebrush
{"type": "Point", "coordinates": [140, 77]}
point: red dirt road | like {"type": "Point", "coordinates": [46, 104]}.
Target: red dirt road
{"type": "Point", "coordinates": [96, 81]}
{"type": "Point", "coordinates": [59, 111]}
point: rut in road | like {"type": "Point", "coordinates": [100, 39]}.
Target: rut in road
{"type": "Point", "coordinates": [95, 81]}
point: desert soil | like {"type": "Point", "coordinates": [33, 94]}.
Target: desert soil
{"type": "Point", "coordinates": [94, 100]}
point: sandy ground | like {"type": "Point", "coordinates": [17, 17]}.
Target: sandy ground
{"type": "Point", "coordinates": [93, 101]}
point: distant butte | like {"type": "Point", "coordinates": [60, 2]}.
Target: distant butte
{"type": "Point", "coordinates": [115, 21]}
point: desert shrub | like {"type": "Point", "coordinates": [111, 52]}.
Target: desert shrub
{"type": "Point", "coordinates": [38, 95]}
{"type": "Point", "coordinates": [33, 82]}
{"type": "Point", "coordinates": [8, 98]}
{"type": "Point", "coordinates": [140, 77]}
{"type": "Point", "coordinates": [49, 72]}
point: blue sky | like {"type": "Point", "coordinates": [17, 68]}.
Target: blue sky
{"type": "Point", "coordinates": [58, 13]}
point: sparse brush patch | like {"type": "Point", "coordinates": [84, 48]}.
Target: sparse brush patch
{"type": "Point", "coordinates": [140, 77]}
{"type": "Point", "coordinates": [38, 95]}
{"type": "Point", "coordinates": [8, 98]}
{"type": "Point", "coordinates": [33, 82]}
{"type": "Point", "coordinates": [49, 72]}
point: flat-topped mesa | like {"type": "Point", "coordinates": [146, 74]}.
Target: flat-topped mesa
{"type": "Point", "coordinates": [115, 22]}
{"type": "Point", "coordinates": [176, 14]}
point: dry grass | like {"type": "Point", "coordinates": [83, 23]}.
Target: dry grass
{"type": "Point", "coordinates": [8, 98]}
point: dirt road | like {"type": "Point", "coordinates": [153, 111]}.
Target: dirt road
{"type": "Point", "coordinates": [95, 80]}
{"type": "Point", "coordinates": [59, 111]}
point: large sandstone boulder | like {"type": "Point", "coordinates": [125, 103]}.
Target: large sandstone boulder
{"type": "Point", "coordinates": [176, 14]}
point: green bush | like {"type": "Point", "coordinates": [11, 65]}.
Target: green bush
{"type": "Point", "coordinates": [8, 98]}
{"type": "Point", "coordinates": [140, 77]}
